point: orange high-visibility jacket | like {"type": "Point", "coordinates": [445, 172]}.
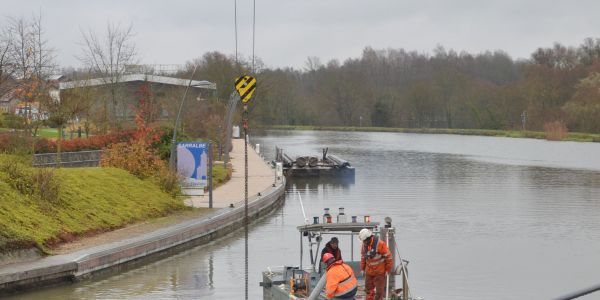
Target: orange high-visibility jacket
{"type": "Point", "coordinates": [376, 257]}
{"type": "Point", "coordinates": [340, 280]}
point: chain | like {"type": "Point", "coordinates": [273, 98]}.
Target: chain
{"type": "Point", "coordinates": [245, 122]}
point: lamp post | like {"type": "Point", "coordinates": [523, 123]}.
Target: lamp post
{"type": "Point", "coordinates": [173, 155]}
{"type": "Point", "coordinates": [523, 119]}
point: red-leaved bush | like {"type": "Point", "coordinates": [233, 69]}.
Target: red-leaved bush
{"type": "Point", "coordinates": [139, 157]}
{"type": "Point", "coordinates": [96, 142]}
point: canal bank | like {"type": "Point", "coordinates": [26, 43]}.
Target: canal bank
{"type": "Point", "coordinates": [104, 258]}
{"type": "Point", "coordinates": [571, 136]}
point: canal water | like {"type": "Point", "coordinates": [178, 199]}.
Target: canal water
{"type": "Point", "coordinates": [477, 217]}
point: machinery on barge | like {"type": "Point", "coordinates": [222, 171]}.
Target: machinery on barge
{"type": "Point", "coordinates": [303, 166]}
{"type": "Point", "coordinates": [306, 281]}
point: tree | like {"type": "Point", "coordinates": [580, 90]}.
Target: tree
{"type": "Point", "coordinates": [32, 61]}
{"type": "Point", "coordinates": [109, 58]}
{"type": "Point", "coordinates": [583, 109]}
{"type": "Point", "coordinates": [7, 68]}
{"type": "Point", "coordinates": [380, 116]}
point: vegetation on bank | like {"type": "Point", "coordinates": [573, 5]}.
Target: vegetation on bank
{"type": "Point", "coordinates": [44, 207]}
{"type": "Point", "coordinates": [220, 175]}
{"type": "Point", "coordinates": [571, 136]}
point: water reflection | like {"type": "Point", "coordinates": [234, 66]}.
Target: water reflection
{"type": "Point", "coordinates": [322, 183]}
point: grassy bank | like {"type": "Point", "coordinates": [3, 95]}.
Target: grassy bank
{"type": "Point", "coordinates": [578, 137]}
{"type": "Point", "coordinates": [88, 200]}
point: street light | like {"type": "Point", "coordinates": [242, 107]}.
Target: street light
{"type": "Point", "coordinates": [173, 155]}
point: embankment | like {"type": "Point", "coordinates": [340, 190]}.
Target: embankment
{"type": "Point", "coordinates": [130, 252]}
{"type": "Point", "coordinates": [572, 136]}
{"type": "Point", "coordinates": [40, 208]}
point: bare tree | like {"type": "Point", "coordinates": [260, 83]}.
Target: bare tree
{"type": "Point", "coordinates": [31, 59]}
{"type": "Point", "coordinates": [109, 58]}
{"type": "Point", "coordinates": [42, 54]}
{"type": "Point", "coordinates": [6, 60]}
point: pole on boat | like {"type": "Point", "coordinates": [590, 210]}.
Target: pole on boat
{"type": "Point", "coordinates": [312, 258]}
{"type": "Point", "coordinates": [387, 279]}
{"type": "Point", "coordinates": [314, 294]}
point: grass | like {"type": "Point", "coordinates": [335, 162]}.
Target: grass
{"type": "Point", "coordinates": [51, 133]}
{"type": "Point", "coordinates": [90, 200]}
{"type": "Point", "coordinates": [573, 136]}
{"type": "Point", "coordinates": [220, 175]}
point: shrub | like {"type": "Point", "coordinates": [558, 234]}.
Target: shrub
{"type": "Point", "coordinates": [15, 143]}
{"type": "Point", "coordinates": [14, 121]}
{"type": "Point", "coordinates": [168, 181]}
{"type": "Point", "coordinates": [163, 144]}
{"type": "Point", "coordinates": [40, 183]}
{"type": "Point", "coordinates": [18, 176]}
{"type": "Point", "coordinates": [139, 160]}
{"type": "Point", "coordinates": [556, 131]}
{"type": "Point", "coordinates": [97, 142]}
{"type": "Point", "coordinates": [47, 187]}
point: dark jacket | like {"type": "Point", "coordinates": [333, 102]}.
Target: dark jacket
{"type": "Point", "coordinates": [327, 249]}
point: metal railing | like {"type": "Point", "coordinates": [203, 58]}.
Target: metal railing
{"type": "Point", "coordinates": [89, 158]}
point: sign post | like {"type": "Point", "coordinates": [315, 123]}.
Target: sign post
{"type": "Point", "coordinates": [192, 163]}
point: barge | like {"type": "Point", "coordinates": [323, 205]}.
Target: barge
{"type": "Point", "coordinates": [326, 165]}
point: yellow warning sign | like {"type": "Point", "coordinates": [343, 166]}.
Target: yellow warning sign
{"type": "Point", "coordinates": [245, 86]}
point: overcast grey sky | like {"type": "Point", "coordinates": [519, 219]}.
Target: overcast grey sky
{"type": "Point", "coordinates": [287, 32]}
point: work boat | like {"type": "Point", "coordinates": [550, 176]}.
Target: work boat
{"type": "Point", "coordinates": [308, 282]}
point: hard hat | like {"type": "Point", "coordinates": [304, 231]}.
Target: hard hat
{"type": "Point", "coordinates": [364, 234]}
{"type": "Point", "coordinates": [327, 256]}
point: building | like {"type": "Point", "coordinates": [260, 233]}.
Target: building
{"type": "Point", "coordinates": [166, 92]}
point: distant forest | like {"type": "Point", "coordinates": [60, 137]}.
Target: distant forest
{"type": "Point", "coordinates": [444, 89]}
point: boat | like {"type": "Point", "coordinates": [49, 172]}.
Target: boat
{"type": "Point", "coordinates": [302, 281]}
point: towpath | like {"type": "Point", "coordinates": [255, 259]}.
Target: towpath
{"type": "Point", "coordinates": [260, 176]}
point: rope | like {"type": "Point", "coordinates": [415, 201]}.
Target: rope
{"type": "Point", "coordinates": [245, 121]}
{"type": "Point", "coordinates": [236, 39]}
{"type": "Point", "coordinates": [253, 32]}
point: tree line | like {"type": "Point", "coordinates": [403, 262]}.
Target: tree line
{"type": "Point", "coordinates": [445, 89]}
{"type": "Point", "coordinates": [382, 87]}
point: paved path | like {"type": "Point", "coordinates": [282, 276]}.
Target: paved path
{"type": "Point", "coordinates": [260, 177]}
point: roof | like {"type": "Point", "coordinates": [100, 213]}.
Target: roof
{"type": "Point", "coordinates": [338, 227]}
{"type": "Point", "coordinates": [56, 77]}
{"type": "Point", "coordinates": [202, 84]}
{"type": "Point", "coordinates": [8, 96]}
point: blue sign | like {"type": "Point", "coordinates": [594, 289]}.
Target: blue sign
{"type": "Point", "coordinates": [192, 161]}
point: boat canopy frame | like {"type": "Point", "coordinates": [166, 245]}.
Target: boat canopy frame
{"type": "Point", "coordinates": [319, 229]}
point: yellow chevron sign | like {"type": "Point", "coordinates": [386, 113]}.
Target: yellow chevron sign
{"type": "Point", "coordinates": [245, 86]}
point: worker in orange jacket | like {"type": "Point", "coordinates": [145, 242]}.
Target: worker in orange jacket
{"type": "Point", "coordinates": [376, 262]}
{"type": "Point", "coordinates": [341, 282]}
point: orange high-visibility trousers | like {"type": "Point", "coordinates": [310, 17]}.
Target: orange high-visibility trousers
{"type": "Point", "coordinates": [375, 287]}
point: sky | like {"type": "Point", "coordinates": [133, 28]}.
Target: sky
{"type": "Point", "coordinates": [287, 32]}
